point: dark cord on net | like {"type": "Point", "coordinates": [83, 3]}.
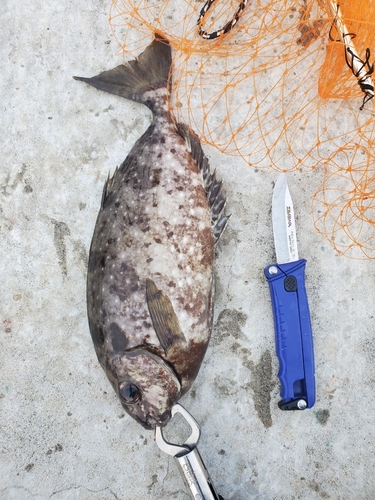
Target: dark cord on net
{"type": "Point", "coordinates": [365, 65]}
{"type": "Point", "coordinates": [228, 26]}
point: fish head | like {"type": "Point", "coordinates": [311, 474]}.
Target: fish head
{"type": "Point", "coordinates": [147, 387]}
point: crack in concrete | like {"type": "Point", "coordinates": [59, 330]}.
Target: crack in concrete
{"type": "Point", "coordinates": [87, 489]}
{"type": "Point", "coordinates": [17, 488]}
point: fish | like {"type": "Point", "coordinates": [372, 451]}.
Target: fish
{"type": "Point", "coordinates": [150, 271]}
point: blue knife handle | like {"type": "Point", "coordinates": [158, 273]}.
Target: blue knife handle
{"type": "Point", "coordinates": [294, 342]}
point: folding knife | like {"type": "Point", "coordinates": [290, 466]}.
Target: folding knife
{"type": "Point", "coordinates": [286, 279]}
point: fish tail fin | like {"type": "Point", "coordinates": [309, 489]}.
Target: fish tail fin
{"type": "Point", "coordinates": [134, 79]}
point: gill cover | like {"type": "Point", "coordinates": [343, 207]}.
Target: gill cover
{"type": "Point", "coordinates": [147, 387]}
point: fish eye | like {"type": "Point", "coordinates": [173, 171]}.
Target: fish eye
{"type": "Point", "coordinates": [129, 393]}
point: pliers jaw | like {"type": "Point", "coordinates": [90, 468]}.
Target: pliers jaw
{"type": "Point", "coordinates": [190, 463]}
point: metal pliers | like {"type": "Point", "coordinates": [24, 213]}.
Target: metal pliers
{"type": "Point", "coordinates": [188, 459]}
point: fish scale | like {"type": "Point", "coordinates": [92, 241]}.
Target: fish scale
{"type": "Point", "coordinates": [150, 275]}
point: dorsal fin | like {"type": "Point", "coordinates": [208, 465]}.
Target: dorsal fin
{"type": "Point", "coordinates": [107, 188]}
{"type": "Point", "coordinates": [212, 186]}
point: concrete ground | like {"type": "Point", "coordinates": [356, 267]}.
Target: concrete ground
{"type": "Point", "coordinates": [64, 435]}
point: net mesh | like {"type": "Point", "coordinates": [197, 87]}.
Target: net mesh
{"type": "Point", "coordinates": [277, 91]}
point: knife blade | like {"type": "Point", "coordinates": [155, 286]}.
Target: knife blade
{"type": "Point", "coordinates": [293, 333]}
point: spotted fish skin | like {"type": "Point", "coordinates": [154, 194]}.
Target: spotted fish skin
{"type": "Point", "coordinates": [149, 282]}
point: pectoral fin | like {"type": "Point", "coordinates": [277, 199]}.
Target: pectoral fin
{"type": "Point", "coordinates": [163, 317]}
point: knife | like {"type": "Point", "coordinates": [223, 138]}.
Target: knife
{"type": "Point", "coordinates": [286, 279]}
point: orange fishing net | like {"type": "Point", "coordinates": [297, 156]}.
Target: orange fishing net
{"type": "Point", "coordinates": [277, 90]}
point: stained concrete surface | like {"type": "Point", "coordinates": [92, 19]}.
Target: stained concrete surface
{"type": "Point", "coordinates": [63, 434]}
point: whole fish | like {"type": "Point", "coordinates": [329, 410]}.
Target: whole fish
{"type": "Point", "coordinates": [149, 282]}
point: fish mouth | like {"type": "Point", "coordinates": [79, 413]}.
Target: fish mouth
{"type": "Point", "coordinates": [165, 421]}
{"type": "Point", "coordinates": [151, 422]}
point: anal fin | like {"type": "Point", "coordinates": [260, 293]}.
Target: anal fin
{"type": "Point", "coordinates": [212, 186]}
{"type": "Point", "coordinates": [163, 316]}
